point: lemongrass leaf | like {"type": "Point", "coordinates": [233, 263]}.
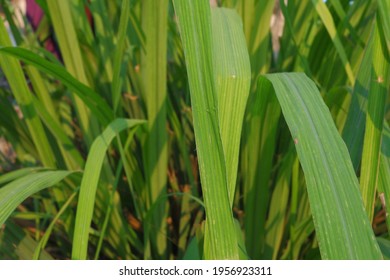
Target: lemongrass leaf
{"type": "Point", "coordinates": [232, 79]}
{"type": "Point", "coordinates": [154, 78]}
{"type": "Point", "coordinates": [259, 144]}
{"type": "Point", "coordinates": [90, 182]}
{"type": "Point", "coordinates": [384, 19]}
{"type": "Point", "coordinates": [195, 25]}
{"type": "Point", "coordinates": [342, 226]}
{"type": "Point", "coordinates": [353, 131]}
{"type": "Point", "coordinates": [22, 94]}
{"type": "Point", "coordinates": [14, 193]}
{"type": "Point", "coordinates": [117, 79]}
{"type": "Point", "coordinates": [91, 99]}
{"type": "Point", "coordinates": [327, 19]}
{"type": "Point", "coordinates": [374, 122]}
{"type": "Point", "coordinates": [13, 175]}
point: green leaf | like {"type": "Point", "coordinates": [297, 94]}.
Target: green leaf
{"type": "Point", "coordinates": [374, 122]}
{"type": "Point", "coordinates": [154, 77]}
{"type": "Point", "coordinates": [16, 244]}
{"type": "Point", "coordinates": [232, 80]}
{"type": "Point", "coordinates": [45, 238]}
{"type": "Point", "coordinates": [353, 132]}
{"type": "Point", "coordinates": [256, 16]}
{"type": "Point", "coordinates": [117, 79]}
{"type": "Point", "coordinates": [91, 99]}
{"type": "Point", "coordinates": [259, 144]}
{"type": "Point", "coordinates": [192, 252]}
{"type": "Point", "coordinates": [69, 149]}
{"type": "Point", "coordinates": [13, 175]}
{"type": "Point", "coordinates": [384, 244]}
{"type": "Point", "coordinates": [384, 19]}
{"type": "Point", "coordinates": [14, 73]}
{"type": "Point", "coordinates": [194, 20]}
{"type": "Point", "coordinates": [342, 226]}
{"type": "Point", "coordinates": [65, 31]}
{"type": "Point", "coordinates": [384, 174]}
{"type": "Point", "coordinates": [278, 207]}
{"type": "Point", "coordinates": [327, 19]}
{"type": "Point", "coordinates": [90, 182]}
{"type": "Point", "coordinates": [14, 193]}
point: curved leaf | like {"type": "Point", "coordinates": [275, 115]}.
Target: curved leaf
{"type": "Point", "coordinates": [94, 102]}
{"type": "Point", "coordinates": [342, 225]}
{"type": "Point", "coordinates": [14, 193]}
{"type": "Point", "coordinates": [90, 182]}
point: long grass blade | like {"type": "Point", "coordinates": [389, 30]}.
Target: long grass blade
{"type": "Point", "coordinates": [232, 79]}
{"type": "Point", "coordinates": [278, 208]}
{"type": "Point", "coordinates": [69, 150]}
{"type": "Point", "coordinates": [384, 14]}
{"type": "Point", "coordinates": [154, 72]}
{"type": "Point", "coordinates": [39, 250]}
{"type": "Point", "coordinates": [14, 73]}
{"type": "Point", "coordinates": [13, 175]}
{"type": "Point", "coordinates": [91, 99]}
{"type": "Point", "coordinates": [327, 19]}
{"type": "Point", "coordinates": [64, 27]}
{"type": "Point", "coordinates": [90, 182]}
{"type": "Point", "coordinates": [374, 121]}
{"type": "Point", "coordinates": [117, 79]}
{"type": "Point", "coordinates": [194, 19]}
{"type": "Point", "coordinates": [14, 193]}
{"type": "Point", "coordinates": [342, 226]}
{"type": "Point", "coordinates": [353, 132]}
{"type": "Point", "coordinates": [259, 143]}
{"type": "Point", "coordinates": [256, 17]}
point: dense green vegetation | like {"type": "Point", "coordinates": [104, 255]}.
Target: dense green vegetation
{"type": "Point", "coordinates": [176, 130]}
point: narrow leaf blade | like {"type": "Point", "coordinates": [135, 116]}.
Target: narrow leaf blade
{"type": "Point", "coordinates": [90, 182]}
{"type": "Point", "coordinates": [194, 20]}
{"type": "Point", "coordinates": [342, 226]}
{"type": "Point", "coordinates": [232, 78]}
{"type": "Point", "coordinates": [14, 193]}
